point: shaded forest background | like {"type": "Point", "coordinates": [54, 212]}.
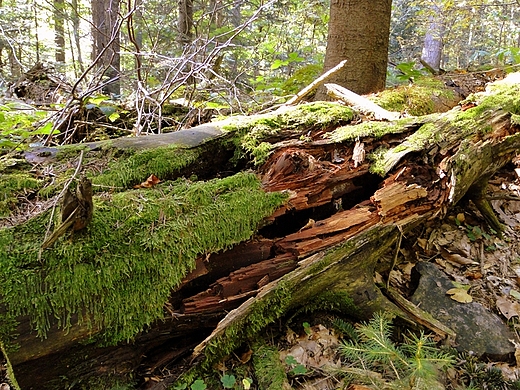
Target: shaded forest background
{"type": "Point", "coordinates": [236, 55]}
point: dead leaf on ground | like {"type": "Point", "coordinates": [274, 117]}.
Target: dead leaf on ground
{"type": "Point", "coordinates": [456, 258]}
{"type": "Point", "coordinates": [507, 308]}
{"type": "Point", "coordinates": [149, 183]}
{"type": "Point", "coordinates": [459, 295]}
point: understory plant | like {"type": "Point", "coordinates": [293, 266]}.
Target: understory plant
{"type": "Point", "coordinates": [375, 360]}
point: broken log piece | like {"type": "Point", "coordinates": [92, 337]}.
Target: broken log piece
{"type": "Point", "coordinates": [342, 271]}
{"type": "Point", "coordinates": [360, 103]}
{"type": "Point", "coordinates": [420, 316]}
{"type": "Point", "coordinates": [420, 187]}
{"type": "Point", "coordinates": [238, 285]}
{"type": "Point", "coordinates": [328, 232]}
{"type": "Point", "coordinates": [315, 181]}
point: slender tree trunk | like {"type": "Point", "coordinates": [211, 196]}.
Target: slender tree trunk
{"type": "Point", "coordinates": [76, 33]}
{"type": "Point", "coordinates": [185, 22]}
{"type": "Point", "coordinates": [359, 33]}
{"type": "Point", "coordinates": [59, 30]}
{"type": "Point", "coordinates": [432, 49]}
{"type": "Point", "coordinates": [36, 34]}
{"type": "Point", "coordinates": [106, 34]}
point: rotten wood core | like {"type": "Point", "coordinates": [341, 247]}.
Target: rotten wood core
{"type": "Point", "coordinates": [331, 201]}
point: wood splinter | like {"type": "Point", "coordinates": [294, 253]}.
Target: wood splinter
{"type": "Point", "coordinates": [76, 211]}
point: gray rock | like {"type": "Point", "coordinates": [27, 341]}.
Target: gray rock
{"type": "Point", "coordinates": [478, 330]}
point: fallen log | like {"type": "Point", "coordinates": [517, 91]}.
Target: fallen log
{"type": "Point", "coordinates": [308, 227]}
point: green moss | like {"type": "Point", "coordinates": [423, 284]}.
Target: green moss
{"type": "Point", "coordinates": [140, 244]}
{"type": "Point", "coordinates": [254, 135]}
{"type": "Point", "coordinates": [505, 95]}
{"type": "Point", "coordinates": [70, 151]}
{"type": "Point", "coordinates": [333, 301]}
{"type": "Point", "coordinates": [371, 129]}
{"type": "Point", "coordinates": [135, 166]}
{"type": "Point", "coordinates": [262, 313]}
{"type": "Point", "coordinates": [515, 119]}
{"type": "Point", "coordinates": [269, 371]}
{"type": "Point", "coordinates": [416, 99]}
{"type": "Point", "coordinates": [13, 185]}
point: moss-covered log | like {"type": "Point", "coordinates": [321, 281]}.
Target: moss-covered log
{"type": "Point", "coordinates": [326, 200]}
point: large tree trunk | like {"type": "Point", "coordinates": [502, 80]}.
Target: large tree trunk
{"type": "Point", "coordinates": [358, 33]}
{"type": "Point", "coordinates": [341, 215]}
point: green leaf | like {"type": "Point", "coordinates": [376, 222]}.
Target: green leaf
{"type": "Point", "coordinates": [198, 385]}
{"type": "Point", "coordinates": [228, 381]}
{"type": "Point", "coordinates": [299, 369]}
{"type": "Point", "coordinates": [294, 57]}
{"type": "Point", "coordinates": [113, 117]}
{"type": "Point", "coordinates": [45, 130]}
{"type": "Point", "coordinates": [182, 386]}
{"type": "Point", "coordinates": [278, 63]}
{"type": "Point", "coordinates": [515, 294]}
{"type": "Point", "coordinates": [247, 382]}
{"type": "Point", "coordinates": [307, 328]}
{"type": "Point", "coordinates": [290, 360]}
{"type": "Point", "coordinates": [97, 100]}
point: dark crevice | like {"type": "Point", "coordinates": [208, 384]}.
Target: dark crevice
{"type": "Point", "coordinates": [360, 189]}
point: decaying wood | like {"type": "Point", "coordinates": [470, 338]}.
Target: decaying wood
{"type": "Point", "coordinates": [360, 103]}
{"type": "Point", "coordinates": [338, 222]}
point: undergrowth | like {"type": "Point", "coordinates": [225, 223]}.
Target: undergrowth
{"type": "Point", "coordinates": [373, 359]}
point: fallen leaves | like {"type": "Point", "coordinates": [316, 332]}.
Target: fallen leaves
{"type": "Point", "coordinates": [507, 308]}
{"type": "Point", "coordinates": [152, 181]}
{"type": "Point", "coordinates": [460, 295]}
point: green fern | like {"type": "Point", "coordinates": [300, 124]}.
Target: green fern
{"type": "Point", "coordinates": [413, 365]}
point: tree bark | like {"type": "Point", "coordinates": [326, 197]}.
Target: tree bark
{"type": "Point", "coordinates": [358, 33]}
{"type": "Point", "coordinates": [339, 220]}
{"type": "Point", "coordinates": [106, 42]}
{"type": "Point", "coordinates": [433, 40]}
{"type": "Point", "coordinates": [185, 22]}
{"type": "Point", "coordinates": [59, 30]}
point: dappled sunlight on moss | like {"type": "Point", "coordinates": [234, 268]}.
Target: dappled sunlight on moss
{"type": "Point", "coordinates": [136, 166]}
{"type": "Point", "coordinates": [416, 99]}
{"type": "Point", "coordinates": [254, 134]}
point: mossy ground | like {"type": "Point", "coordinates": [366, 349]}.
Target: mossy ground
{"type": "Point", "coordinates": [416, 99]}
{"type": "Point", "coordinates": [13, 185]}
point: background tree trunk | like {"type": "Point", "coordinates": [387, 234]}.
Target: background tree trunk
{"type": "Point", "coordinates": [76, 34]}
{"type": "Point", "coordinates": [432, 49]}
{"type": "Point", "coordinates": [59, 30]}
{"type": "Point", "coordinates": [358, 32]}
{"type": "Point", "coordinates": [185, 22]}
{"type": "Point", "coordinates": [105, 34]}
